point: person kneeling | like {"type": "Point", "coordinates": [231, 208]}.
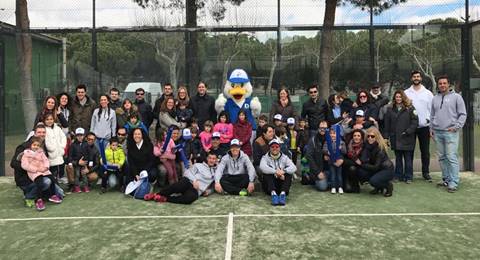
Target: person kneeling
{"type": "Point", "coordinates": [235, 174]}
{"type": "Point", "coordinates": [277, 169]}
{"type": "Point", "coordinates": [197, 181]}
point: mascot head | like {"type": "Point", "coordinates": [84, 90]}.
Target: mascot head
{"type": "Point", "coordinates": [238, 86]}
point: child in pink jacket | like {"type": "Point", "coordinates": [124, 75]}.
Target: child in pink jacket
{"type": "Point", "coordinates": [36, 163]}
{"type": "Point", "coordinates": [167, 157]}
{"type": "Point", "coordinates": [206, 136]}
{"type": "Point", "coordinates": [225, 129]}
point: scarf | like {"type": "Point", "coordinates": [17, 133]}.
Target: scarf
{"type": "Point", "coordinates": [375, 96]}
{"type": "Point", "coordinates": [354, 150]}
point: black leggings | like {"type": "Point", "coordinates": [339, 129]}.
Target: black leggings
{"type": "Point", "coordinates": [58, 171]}
{"type": "Point", "coordinates": [183, 186]}
{"type": "Point", "coordinates": [233, 184]}
{"type": "Point", "coordinates": [277, 185]}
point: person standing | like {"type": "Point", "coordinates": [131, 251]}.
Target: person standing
{"type": "Point", "coordinates": [144, 108]}
{"type": "Point", "coordinates": [422, 101]}
{"type": "Point", "coordinates": [448, 116]}
{"type": "Point", "coordinates": [314, 110]}
{"type": "Point", "coordinates": [203, 105]}
{"type": "Point", "coordinates": [167, 92]}
{"type": "Point", "coordinates": [115, 101]}
{"type": "Point", "coordinates": [104, 123]}
{"type": "Point", "coordinates": [283, 106]}
{"type": "Point", "coordinates": [82, 109]}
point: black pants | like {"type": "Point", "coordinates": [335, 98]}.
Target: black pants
{"type": "Point", "coordinates": [350, 176]}
{"type": "Point", "coordinates": [185, 188]}
{"type": "Point", "coordinates": [58, 171]}
{"type": "Point", "coordinates": [378, 179]}
{"type": "Point", "coordinates": [294, 155]}
{"type": "Point", "coordinates": [233, 184]}
{"type": "Point", "coordinates": [423, 135]}
{"type": "Point", "coordinates": [39, 183]}
{"type": "Point", "coordinates": [277, 185]}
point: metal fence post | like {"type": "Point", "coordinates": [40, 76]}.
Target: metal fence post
{"type": "Point", "coordinates": [2, 105]}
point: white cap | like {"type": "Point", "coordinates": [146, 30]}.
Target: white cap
{"type": "Point", "coordinates": [238, 76]}
{"type": "Point", "coordinates": [274, 141]}
{"type": "Point", "coordinates": [186, 134]}
{"type": "Point", "coordinates": [277, 117]}
{"type": "Point", "coordinates": [79, 131]}
{"type": "Point", "coordinates": [235, 142]}
{"type": "Point", "coordinates": [291, 121]}
{"type": "Point", "coordinates": [360, 113]}
{"type": "Point", "coordinates": [216, 135]}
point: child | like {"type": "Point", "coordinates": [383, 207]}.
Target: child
{"type": "Point", "coordinates": [194, 123]}
{"type": "Point", "coordinates": [242, 130]}
{"type": "Point", "coordinates": [89, 165]}
{"type": "Point", "coordinates": [115, 159]}
{"type": "Point", "coordinates": [36, 163]}
{"type": "Point", "coordinates": [55, 142]}
{"type": "Point", "coordinates": [194, 147]}
{"type": "Point", "coordinates": [277, 120]}
{"type": "Point", "coordinates": [225, 129]}
{"type": "Point", "coordinates": [134, 122]}
{"type": "Point", "coordinates": [281, 136]}
{"type": "Point", "coordinates": [262, 120]}
{"type": "Point", "coordinates": [334, 150]}
{"type": "Point", "coordinates": [167, 157]}
{"type": "Point", "coordinates": [206, 136]}
{"type": "Point", "coordinates": [184, 114]}
{"type": "Point", "coordinates": [293, 140]}
{"type": "Point", "coordinates": [302, 136]}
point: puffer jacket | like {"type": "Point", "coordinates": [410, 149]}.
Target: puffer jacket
{"type": "Point", "coordinates": [204, 174]}
{"type": "Point", "coordinates": [374, 159]}
{"type": "Point", "coordinates": [55, 142]}
{"type": "Point", "coordinates": [400, 127]}
{"type": "Point", "coordinates": [166, 120]}
{"type": "Point", "coordinates": [115, 157]}
{"type": "Point", "coordinates": [231, 166]}
{"type": "Point", "coordinates": [35, 163]}
{"type": "Point", "coordinates": [269, 165]}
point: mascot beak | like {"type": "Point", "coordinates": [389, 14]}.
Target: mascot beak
{"type": "Point", "coordinates": [237, 92]}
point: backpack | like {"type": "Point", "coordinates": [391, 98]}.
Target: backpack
{"type": "Point", "coordinates": [142, 190]}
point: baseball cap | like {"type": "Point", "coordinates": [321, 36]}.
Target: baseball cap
{"type": "Point", "coordinates": [291, 121]}
{"type": "Point", "coordinates": [238, 76]}
{"type": "Point", "coordinates": [216, 135]}
{"type": "Point", "coordinates": [79, 131]}
{"type": "Point", "coordinates": [274, 141]}
{"type": "Point", "coordinates": [186, 134]}
{"type": "Point", "coordinates": [277, 117]}
{"type": "Point", "coordinates": [235, 142]}
{"type": "Point", "coordinates": [360, 113]}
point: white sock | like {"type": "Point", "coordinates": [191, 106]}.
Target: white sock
{"type": "Point", "coordinates": [282, 193]}
{"type": "Point", "coordinates": [273, 193]}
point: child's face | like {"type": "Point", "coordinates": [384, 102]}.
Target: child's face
{"type": "Point", "coordinates": [277, 122]}
{"type": "Point", "coordinates": [291, 126]}
{"type": "Point", "coordinates": [133, 120]}
{"type": "Point", "coordinates": [80, 138]}
{"type": "Point", "coordinates": [49, 121]}
{"type": "Point", "coordinates": [301, 124]}
{"type": "Point", "coordinates": [208, 129]}
{"type": "Point", "coordinates": [194, 135]}
{"type": "Point", "coordinates": [114, 146]}
{"type": "Point", "coordinates": [195, 125]}
{"type": "Point", "coordinates": [223, 119]}
{"type": "Point", "coordinates": [261, 122]}
{"type": "Point", "coordinates": [241, 117]}
{"type": "Point", "coordinates": [333, 135]}
{"type": "Point", "coordinates": [35, 146]}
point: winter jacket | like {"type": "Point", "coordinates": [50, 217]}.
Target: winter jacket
{"type": "Point", "coordinates": [314, 154]}
{"type": "Point", "coordinates": [184, 115]}
{"type": "Point", "coordinates": [225, 130]}
{"type": "Point", "coordinates": [35, 163]}
{"type": "Point", "coordinates": [400, 127]}
{"type": "Point", "coordinates": [123, 116]}
{"type": "Point", "coordinates": [269, 165]}
{"type": "Point", "coordinates": [129, 126]}
{"type": "Point", "coordinates": [422, 101]}
{"type": "Point", "coordinates": [331, 119]}
{"type": "Point", "coordinates": [219, 152]}
{"type": "Point", "coordinates": [115, 157]}
{"type": "Point", "coordinates": [166, 120]}
{"type": "Point", "coordinates": [302, 139]}
{"type": "Point", "coordinates": [206, 140]}
{"type": "Point", "coordinates": [55, 141]}
{"type": "Point", "coordinates": [369, 109]}
{"type": "Point", "coordinates": [374, 159]}
{"type": "Point", "coordinates": [341, 150]}
{"type": "Point", "coordinates": [193, 149]}
{"type": "Point", "coordinates": [314, 112]}
{"type": "Point", "coordinates": [157, 107]}
{"type": "Point", "coordinates": [139, 159]}
{"type": "Point", "coordinates": [379, 101]}
{"type": "Point", "coordinates": [145, 111]}
{"type": "Point", "coordinates": [243, 132]}
{"type": "Point", "coordinates": [92, 155]}
{"type": "Point", "coordinates": [286, 112]}
{"type": "Point", "coordinates": [116, 104]}
{"type": "Point", "coordinates": [448, 111]}
{"type": "Point", "coordinates": [229, 165]}
{"type": "Point", "coordinates": [77, 151]}
{"type": "Point", "coordinates": [204, 174]}
{"type": "Point", "coordinates": [168, 154]}
{"type": "Point", "coordinates": [81, 115]}
{"type": "Point", "coordinates": [203, 108]}
{"type": "Point", "coordinates": [260, 148]}
{"type": "Point", "coordinates": [105, 125]}
{"type": "Point", "coordinates": [21, 176]}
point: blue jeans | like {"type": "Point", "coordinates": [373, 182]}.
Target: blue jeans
{"type": "Point", "coordinates": [447, 150]}
{"type": "Point", "coordinates": [322, 185]}
{"type": "Point", "coordinates": [400, 157]}
{"type": "Point", "coordinates": [336, 176]}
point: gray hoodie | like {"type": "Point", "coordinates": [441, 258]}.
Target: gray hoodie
{"type": "Point", "coordinates": [269, 165]}
{"type": "Point", "coordinates": [448, 111]}
{"type": "Point", "coordinates": [203, 173]}
{"type": "Point", "coordinates": [231, 166]}
{"type": "Point", "coordinates": [104, 126]}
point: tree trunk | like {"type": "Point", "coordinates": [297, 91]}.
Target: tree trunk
{"type": "Point", "coordinates": [173, 74]}
{"type": "Point", "coordinates": [326, 48]}
{"type": "Point", "coordinates": [226, 65]}
{"type": "Point", "coordinates": [191, 47]}
{"type": "Point", "coordinates": [272, 72]}
{"type": "Point", "coordinates": [475, 63]}
{"type": "Point", "coordinates": [24, 61]}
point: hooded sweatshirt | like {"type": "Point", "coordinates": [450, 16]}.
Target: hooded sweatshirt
{"type": "Point", "coordinates": [231, 166]}
{"type": "Point", "coordinates": [269, 164]}
{"type": "Point", "coordinates": [105, 125]}
{"type": "Point", "coordinates": [202, 173]}
{"type": "Point", "coordinates": [448, 111]}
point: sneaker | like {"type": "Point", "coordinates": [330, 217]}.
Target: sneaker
{"type": "Point", "coordinates": [103, 190]}
{"type": "Point", "coordinates": [408, 181]}
{"type": "Point", "coordinates": [427, 177]}
{"type": "Point", "coordinates": [55, 199]}
{"type": "Point", "coordinates": [389, 190]}
{"type": "Point", "coordinates": [282, 199]}
{"type": "Point", "coordinates": [149, 196]}
{"type": "Point", "coordinates": [76, 189]}
{"type": "Point", "coordinates": [333, 191]}
{"type": "Point", "coordinates": [86, 189]}
{"type": "Point", "coordinates": [159, 198]}
{"type": "Point", "coordinates": [452, 190]}
{"type": "Point", "coordinates": [63, 180]}
{"type": "Point", "coordinates": [243, 192]}
{"type": "Point", "coordinates": [40, 205]}
{"type": "Point", "coordinates": [340, 190]}
{"type": "Point", "coordinates": [442, 184]}
{"type": "Point", "coordinates": [275, 200]}
{"type": "Point", "coordinates": [29, 203]}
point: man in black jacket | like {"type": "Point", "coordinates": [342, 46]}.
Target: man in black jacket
{"type": "Point", "coordinates": [203, 106]}
{"type": "Point", "coordinates": [316, 163]}
{"type": "Point", "coordinates": [144, 108]}
{"type": "Point", "coordinates": [314, 110]}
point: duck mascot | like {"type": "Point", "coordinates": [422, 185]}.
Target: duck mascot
{"type": "Point", "coordinates": [237, 95]}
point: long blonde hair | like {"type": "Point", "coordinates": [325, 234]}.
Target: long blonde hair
{"type": "Point", "coordinates": [378, 138]}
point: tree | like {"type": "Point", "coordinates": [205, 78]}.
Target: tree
{"type": "Point", "coordinates": [326, 47]}
{"type": "Point", "coordinates": [24, 60]}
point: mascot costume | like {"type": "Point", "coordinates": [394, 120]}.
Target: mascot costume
{"type": "Point", "coordinates": [237, 95]}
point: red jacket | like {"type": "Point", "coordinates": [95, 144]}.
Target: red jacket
{"type": "Point", "coordinates": [243, 132]}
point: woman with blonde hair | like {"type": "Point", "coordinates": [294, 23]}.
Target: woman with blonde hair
{"type": "Point", "coordinates": [401, 122]}
{"type": "Point", "coordinates": [374, 165]}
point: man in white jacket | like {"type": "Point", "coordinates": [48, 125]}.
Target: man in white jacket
{"type": "Point", "coordinates": [277, 170]}
{"type": "Point", "coordinates": [422, 101]}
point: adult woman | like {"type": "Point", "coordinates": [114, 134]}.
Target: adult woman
{"type": "Point", "coordinates": [182, 95]}
{"type": "Point", "coordinates": [283, 106]}
{"type": "Point", "coordinates": [64, 101]}
{"type": "Point", "coordinates": [104, 122]}
{"type": "Point", "coordinates": [401, 122]}
{"type": "Point", "coordinates": [350, 167]}
{"type": "Point", "coordinates": [364, 103]}
{"type": "Point", "coordinates": [374, 164]}
{"type": "Point", "coordinates": [167, 114]}
{"type": "Point", "coordinates": [50, 106]}
{"type": "Point", "coordinates": [124, 112]}
{"type": "Point", "coordinates": [140, 155]}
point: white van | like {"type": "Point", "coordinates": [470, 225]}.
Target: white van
{"type": "Point", "coordinates": [153, 91]}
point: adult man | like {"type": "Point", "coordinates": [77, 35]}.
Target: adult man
{"type": "Point", "coordinates": [277, 171]}
{"type": "Point", "coordinates": [447, 118]}
{"type": "Point", "coordinates": [314, 109]}
{"type": "Point", "coordinates": [82, 109]}
{"type": "Point", "coordinates": [203, 105]}
{"type": "Point", "coordinates": [215, 149]}
{"type": "Point", "coordinates": [380, 101]}
{"type": "Point", "coordinates": [422, 101]}
{"type": "Point", "coordinates": [144, 108]}
{"type": "Point", "coordinates": [167, 92]}
{"type": "Point", "coordinates": [115, 101]}
{"type": "Point", "coordinates": [314, 155]}
{"type": "Point", "coordinates": [235, 174]}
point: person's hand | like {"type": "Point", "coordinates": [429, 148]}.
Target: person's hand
{"type": "Point", "coordinates": [357, 161]}
{"type": "Point", "coordinates": [218, 187]}
{"type": "Point", "coordinates": [338, 162]}
{"type": "Point", "coordinates": [251, 187]}
{"type": "Point", "coordinates": [321, 175]}
{"type": "Point", "coordinates": [431, 134]}
{"type": "Point", "coordinates": [196, 185]}
{"type": "Point", "coordinates": [326, 157]}
{"type": "Point", "coordinates": [358, 126]}
{"type": "Point", "coordinates": [345, 115]}
{"type": "Point", "coordinates": [82, 162]}
{"type": "Point", "coordinates": [206, 193]}
{"type": "Point", "coordinates": [348, 120]}
{"type": "Point", "coordinates": [282, 177]}
{"type": "Point", "coordinates": [452, 130]}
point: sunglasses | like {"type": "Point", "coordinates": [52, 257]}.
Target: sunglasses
{"type": "Point", "coordinates": [362, 96]}
{"type": "Point", "coordinates": [91, 139]}
{"type": "Point", "coordinates": [121, 134]}
{"type": "Point", "coordinates": [371, 136]}
{"type": "Point", "coordinates": [140, 94]}
{"type": "Point", "coordinates": [313, 92]}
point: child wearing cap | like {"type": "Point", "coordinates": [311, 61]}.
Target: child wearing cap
{"type": "Point", "coordinates": [206, 136]}
{"type": "Point", "coordinates": [242, 130]}
{"type": "Point", "coordinates": [277, 120]}
{"type": "Point", "coordinates": [292, 137]}
{"type": "Point", "coordinates": [225, 128]}
{"type": "Point", "coordinates": [167, 157]}
{"type": "Point", "coordinates": [77, 159]}
{"type": "Point", "coordinates": [334, 150]}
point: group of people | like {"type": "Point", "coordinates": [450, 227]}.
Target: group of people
{"type": "Point", "coordinates": [340, 144]}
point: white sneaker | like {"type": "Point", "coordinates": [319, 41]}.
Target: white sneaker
{"type": "Point", "coordinates": [340, 190]}
{"type": "Point", "coordinates": [333, 191]}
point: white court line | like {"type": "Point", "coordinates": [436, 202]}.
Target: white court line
{"type": "Point", "coordinates": [228, 246]}
{"type": "Point", "coordinates": [114, 217]}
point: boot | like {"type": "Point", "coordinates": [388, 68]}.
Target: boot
{"type": "Point", "coordinates": [389, 191]}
